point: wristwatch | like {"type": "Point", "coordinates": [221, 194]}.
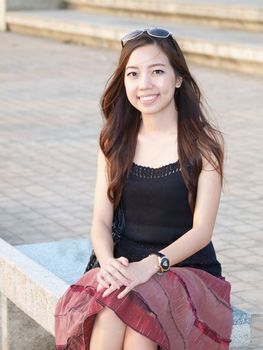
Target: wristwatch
{"type": "Point", "coordinates": [163, 262]}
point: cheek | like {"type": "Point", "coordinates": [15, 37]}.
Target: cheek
{"type": "Point", "coordinates": [130, 90]}
{"type": "Point", "coordinates": [169, 86]}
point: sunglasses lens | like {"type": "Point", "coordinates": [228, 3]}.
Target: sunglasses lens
{"type": "Point", "coordinates": [155, 32]}
{"type": "Point", "coordinates": [159, 32]}
{"type": "Point", "coordinates": [131, 35]}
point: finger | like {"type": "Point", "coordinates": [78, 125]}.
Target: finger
{"type": "Point", "coordinates": [118, 276]}
{"type": "Point", "coordinates": [118, 270]}
{"type": "Point", "coordinates": [124, 261]}
{"type": "Point", "coordinates": [99, 287]}
{"type": "Point", "coordinates": [111, 280]}
{"type": "Point", "coordinates": [101, 281]}
{"type": "Point", "coordinates": [125, 291]}
{"type": "Point", "coordinates": [108, 291]}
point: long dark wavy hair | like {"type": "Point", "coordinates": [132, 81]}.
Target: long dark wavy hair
{"type": "Point", "coordinates": [196, 136]}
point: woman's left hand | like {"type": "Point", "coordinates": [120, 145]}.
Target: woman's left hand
{"type": "Point", "coordinates": [140, 272]}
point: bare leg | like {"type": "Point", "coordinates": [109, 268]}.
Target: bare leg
{"type": "Point", "coordinates": [108, 331]}
{"type": "Point", "coordinates": [134, 340]}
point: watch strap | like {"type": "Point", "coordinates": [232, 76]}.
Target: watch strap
{"type": "Point", "coordinates": [161, 255]}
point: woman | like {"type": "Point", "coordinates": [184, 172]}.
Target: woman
{"type": "Point", "coordinates": [160, 171]}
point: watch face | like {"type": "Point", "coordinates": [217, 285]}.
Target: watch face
{"type": "Point", "coordinates": [165, 263]}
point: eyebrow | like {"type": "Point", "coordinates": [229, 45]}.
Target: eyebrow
{"type": "Point", "coordinates": [152, 65]}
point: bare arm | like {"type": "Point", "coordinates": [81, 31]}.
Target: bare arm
{"type": "Point", "coordinates": [112, 270]}
{"type": "Point", "coordinates": [102, 215]}
{"type": "Point", "coordinates": [207, 203]}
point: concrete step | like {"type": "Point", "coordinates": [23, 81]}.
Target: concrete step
{"type": "Point", "coordinates": [18, 5]}
{"type": "Point", "coordinates": [237, 50]}
{"type": "Point", "coordinates": [239, 14]}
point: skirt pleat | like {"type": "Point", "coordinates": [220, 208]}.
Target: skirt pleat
{"type": "Point", "coordinates": [183, 309]}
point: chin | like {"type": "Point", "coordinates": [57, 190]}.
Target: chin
{"type": "Point", "coordinates": [150, 111]}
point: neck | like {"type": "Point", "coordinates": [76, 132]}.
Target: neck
{"type": "Point", "coordinates": [159, 124]}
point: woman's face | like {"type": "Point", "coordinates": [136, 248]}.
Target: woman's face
{"type": "Point", "coordinates": [150, 80]}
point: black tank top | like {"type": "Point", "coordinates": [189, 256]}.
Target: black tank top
{"type": "Point", "coordinates": [157, 213]}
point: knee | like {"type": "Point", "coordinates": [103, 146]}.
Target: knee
{"type": "Point", "coordinates": [108, 331]}
{"type": "Point", "coordinates": [135, 340]}
{"type": "Point", "coordinates": [107, 317]}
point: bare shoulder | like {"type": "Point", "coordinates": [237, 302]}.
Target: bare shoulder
{"type": "Point", "coordinates": [210, 161]}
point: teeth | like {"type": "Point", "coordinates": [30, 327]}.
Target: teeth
{"type": "Point", "coordinates": [147, 98]}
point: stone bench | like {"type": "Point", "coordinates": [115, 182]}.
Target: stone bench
{"type": "Point", "coordinates": [34, 276]}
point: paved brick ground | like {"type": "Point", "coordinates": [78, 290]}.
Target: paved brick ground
{"type": "Point", "coordinates": [49, 123]}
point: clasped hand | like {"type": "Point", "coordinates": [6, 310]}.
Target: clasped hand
{"type": "Point", "coordinates": [119, 272]}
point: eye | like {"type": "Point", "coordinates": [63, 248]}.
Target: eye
{"type": "Point", "coordinates": [158, 71]}
{"type": "Point", "coordinates": [131, 74]}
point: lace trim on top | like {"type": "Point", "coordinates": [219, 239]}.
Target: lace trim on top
{"type": "Point", "coordinates": [147, 172]}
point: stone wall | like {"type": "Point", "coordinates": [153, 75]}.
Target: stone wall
{"type": "Point", "coordinates": [24, 333]}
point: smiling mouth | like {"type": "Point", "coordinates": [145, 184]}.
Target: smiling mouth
{"type": "Point", "coordinates": [149, 98]}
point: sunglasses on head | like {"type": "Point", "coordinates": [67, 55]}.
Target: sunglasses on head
{"type": "Point", "coordinates": [155, 32]}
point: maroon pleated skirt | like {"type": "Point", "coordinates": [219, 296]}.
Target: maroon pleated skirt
{"type": "Point", "coordinates": [185, 308]}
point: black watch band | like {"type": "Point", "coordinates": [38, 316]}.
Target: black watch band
{"type": "Point", "coordinates": [161, 255]}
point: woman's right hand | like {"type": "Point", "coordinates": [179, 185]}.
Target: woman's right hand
{"type": "Point", "coordinates": [113, 274]}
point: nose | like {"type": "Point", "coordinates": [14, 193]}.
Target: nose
{"type": "Point", "coordinates": [145, 82]}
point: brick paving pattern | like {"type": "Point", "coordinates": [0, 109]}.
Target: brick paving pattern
{"type": "Point", "coordinates": [49, 124]}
